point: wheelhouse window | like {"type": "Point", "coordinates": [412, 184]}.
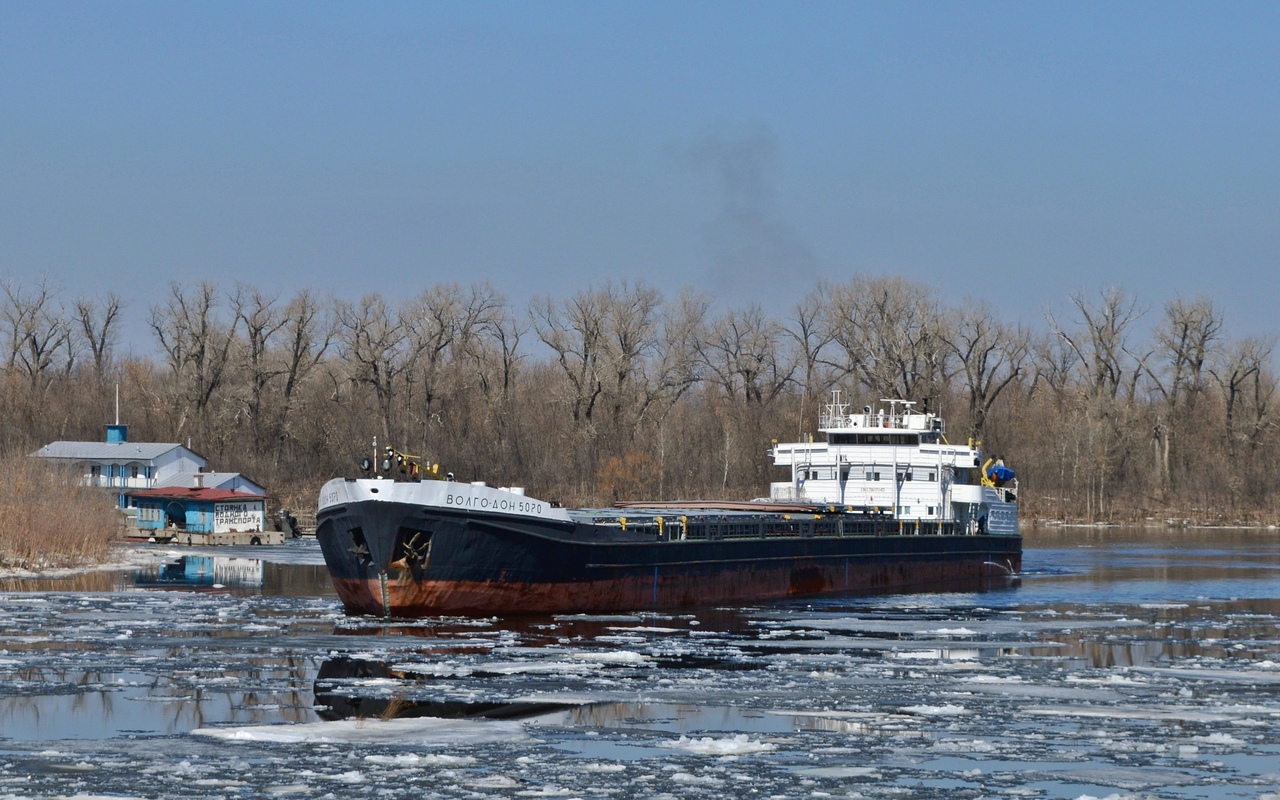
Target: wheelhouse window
{"type": "Point", "coordinates": [907, 439]}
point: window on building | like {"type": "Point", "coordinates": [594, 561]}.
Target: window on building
{"type": "Point", "coordinates": [930, 508]}
{"type": "Point", "coordinates": [134, 474]}
{"type": "Point", "coordinates": [873, 476]}
{"type": "Point", "coordinates": [933, 476]}
{"type": "Point", "coordinates": [95, 472]}
{"type": "Point", "coordinates": [904, 510]}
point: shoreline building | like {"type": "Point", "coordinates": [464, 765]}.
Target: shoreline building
{"type": "Point", "coordinates": [200, 510]}
{"type": "Point", "coordinates": [129, 467]}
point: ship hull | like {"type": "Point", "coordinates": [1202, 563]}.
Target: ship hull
{"type": "Point", "coordinates": [409, 560]}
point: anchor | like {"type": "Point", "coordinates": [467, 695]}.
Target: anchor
{"type": "Point", "coordinates": [416, 551]}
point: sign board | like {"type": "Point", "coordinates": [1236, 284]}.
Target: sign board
{"type": "Point", "coordinates": [241, 516]}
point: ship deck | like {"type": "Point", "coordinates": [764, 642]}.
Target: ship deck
{"type": "Point", "coordinates": [685, 520]}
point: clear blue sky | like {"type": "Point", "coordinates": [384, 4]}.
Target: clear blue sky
{"type": "Point", "coordinates": [1015, 151]}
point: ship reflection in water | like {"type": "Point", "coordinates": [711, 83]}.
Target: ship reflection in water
{"type": "Point", "coordinates": [342, 685]}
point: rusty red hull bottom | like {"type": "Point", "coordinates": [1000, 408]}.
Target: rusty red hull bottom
{"type": "Point", "coordinates": [669, 589]}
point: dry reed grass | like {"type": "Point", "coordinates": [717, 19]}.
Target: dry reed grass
{"type": "Point", "coordinates": [48, 520]}
{"type": "Point", "coordinates": [395, 705]}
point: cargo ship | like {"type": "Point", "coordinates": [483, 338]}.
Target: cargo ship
{"type": "Point", "coordinates": [879, 502]}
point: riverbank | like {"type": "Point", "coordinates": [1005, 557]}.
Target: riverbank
{"type": "Point", "coordinates": [49, 520]}
{"type": "Point", "coordinates": [119, 557]}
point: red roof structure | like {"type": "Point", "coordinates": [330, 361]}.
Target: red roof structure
{"type": "Point", "coordinates": [207, 495]}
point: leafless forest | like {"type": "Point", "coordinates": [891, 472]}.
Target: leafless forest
{"type": "Point", "coordinates": [1107, 409]}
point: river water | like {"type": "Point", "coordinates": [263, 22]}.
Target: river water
{"type": "Point", "coordinates": [1123, 663]}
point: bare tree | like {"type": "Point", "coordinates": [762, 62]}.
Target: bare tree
{"type": "Point", "coordinates": [632, 336]}
{"type": "Point", "coordinates": [1104, 418]}
{"type": "Point", "coordinates": [308, 333]}
{"type": "Point", "coordinates": [1247, 390]}
{"type": "Point", "coordinates": [98, 325]}
{"type": "Point", "coordinates": [991, 356]}
{"type": "Point", "coordinates": [743, 353]}
{"type": "Point", "coordinates": [1100, 340]}
{"type": "Point", "coordinates": [674, 367]}
{"type": "Point", "coordinates": [197, 341]}
{"type": "Point", "coordinates": [260, 318]}
{"type": "Point", "coordinates": [374, 342]}
{"type": "Point", "coordinates": [442, 324]}
{"type": "Point", "coordinates": [811, 335]}
{"type": "Point", "coordinates": [575, 331]}
{"type": "Point", "coordinates": [493, 350]}
{"type": "Point", "coordinates": [1185, 341]}
{"type": "Point", "coordinates": [431, 324]}
{"type": "Point", "coordinates": [889, 331]}
{"type": "Point", "coordinates": [1054, 367]}
{"type": "Point", "coordinates": [37, 336]}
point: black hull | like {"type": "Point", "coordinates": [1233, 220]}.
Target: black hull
{"type": "Point", "coordinates": [406, 560]}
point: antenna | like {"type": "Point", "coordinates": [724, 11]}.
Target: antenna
{"type": "Point", "coordinates": [117, 403]}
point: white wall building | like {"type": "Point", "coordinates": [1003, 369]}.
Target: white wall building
{"type": "Point", "coordinates": [127, 466]}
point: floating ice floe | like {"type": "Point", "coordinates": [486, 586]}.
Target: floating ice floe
{"type": "Point", "coordinates": [421, 760]}
{"type": "Point", "coordinates": [549, 791]}
{"type": "Point", "coordinates": [1179, 713]}
{"type": "Point", "coordinates": [597, 618]}
{"type": "Point", "coordinates": [494, 782]}
{"type": "Point", "coordinates": [597, 766]}
{"type": "Point", "coordinates": [839, 772]}
{"type": "Point", "coordinates": [1219, 739]}
{"type": "Point", "coordinates": [90, 796]}
{"type": "Point", "coordinates": [417, 731]}
{"type": "Point", "coordinates": [708, 746]}
{"type": "Point", "coordinates": [536, 667]}
{"type": "Point", "coordinates": [615, 657]}
{"type": "Point", "coordinates": [1222, 675]}
{"type": "Point", "coordinates": [948, 710]}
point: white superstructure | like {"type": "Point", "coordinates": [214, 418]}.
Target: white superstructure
{"type": "Point", "coordinates": [896, 459]}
